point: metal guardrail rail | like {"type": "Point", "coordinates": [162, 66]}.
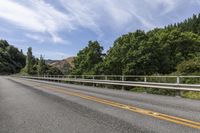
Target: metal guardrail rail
{"type": "Point", "coordinates": [161, 82]}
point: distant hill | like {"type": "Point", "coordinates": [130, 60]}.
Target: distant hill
{"type": "Point", "coordinates": [49, 61]}
{"type": "Point", "coordinates": [64, 65]}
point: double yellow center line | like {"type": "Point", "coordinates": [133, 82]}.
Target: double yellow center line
{"type": "Point", "coordinates": [177, 120]}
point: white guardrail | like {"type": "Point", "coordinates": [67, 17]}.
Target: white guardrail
{"type": "Point", "coordinates": [188, 83]}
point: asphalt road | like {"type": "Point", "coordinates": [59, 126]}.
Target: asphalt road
{"type": "Point", "coordinates": [30, 106]}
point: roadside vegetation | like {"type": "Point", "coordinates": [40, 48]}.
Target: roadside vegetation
{"type": "Point", "coordinates": [11, 59]}
{"type": "Point", "coordinates": [172, 50]}
{"type": "Point", "coordinates": [35, 66]}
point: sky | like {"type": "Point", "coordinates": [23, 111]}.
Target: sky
{"type": "Point", "coordinates": [58, 29]}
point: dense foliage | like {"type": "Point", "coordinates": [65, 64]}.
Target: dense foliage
{"type": "Point", "coordinates": [174, 49]}
{"type": "Point", "coordinates": [87, 59]}
{"type": "Point", "coordinates": [191, 24]}
{"type": "Point", "coordinates": [159, 51]}
{"type": "Point", "coordinates": [11, 59]}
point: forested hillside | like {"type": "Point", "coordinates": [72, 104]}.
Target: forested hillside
{"type": "Point", "coordinates": [159, 51]}
{"type": "Point", "coordinates": [11, 59]}
{"type": "Point", "coordinates": [191, 24]}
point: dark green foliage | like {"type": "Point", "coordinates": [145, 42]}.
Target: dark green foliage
{"type": "Point", "coordinates": [158, 51]}
{"type": "Point", "coordinates": [192, 24]}
{"type": "Point", "coordinates": [88, 58]}
{"type": "Point", "coordinates": [11, 59]}
{"type": "Point", "coordinates": [50, 70]}
{"type": "Point", "coordinates": [173, 49]}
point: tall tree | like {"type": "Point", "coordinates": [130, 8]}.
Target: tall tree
{"type": "Point", "coordinates": [41, 66]}
{"type": "Point", "coordinates": [88, 58]}
{"type": "Point", "coordinates": [29, 61]}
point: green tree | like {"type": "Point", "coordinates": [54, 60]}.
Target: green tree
{"type": "Point", "coordinates": [29, 61]}
{"type": "Point", "coordinates": [157, 51]}
{"type": "Point", "coordinates": [88, 58]}
{"type": "Point", "coordinates": [11, 59]}
{"type": "Point", "coordinates": [41, 66]}
{"type": "Point", "coordinates": [50, 70]}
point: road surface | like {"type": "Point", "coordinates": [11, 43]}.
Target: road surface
{"type": "Point", "coordinates": [30, 106]}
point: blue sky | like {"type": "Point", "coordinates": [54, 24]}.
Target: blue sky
{"type": "Point", "coordinates": [60, 28]}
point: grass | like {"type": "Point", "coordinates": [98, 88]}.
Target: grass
{"type": "Point", "coordinates": [154, 91]}
{"type": "Point", "coordinates": [183, 94]}
{"type": "Point", "coordinates": [191, 95]}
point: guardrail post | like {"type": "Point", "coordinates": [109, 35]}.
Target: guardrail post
{"type": "Point", "coordinates": [145, 79]}
{"type": "Point", "coordinates": [83, 78]}
{"type": "Point", "coordinates": [93, 80]}
{"type": "Point", "coordinates": [106, 78]}
{"type": "Point", "coordinates": [178, 92]}
{"type": "Point", "coordinates": [123, 80]}
{"type": "Point", "coordinates": [58, 78]}
{"type": "Point", "coordinates": [177, 79]}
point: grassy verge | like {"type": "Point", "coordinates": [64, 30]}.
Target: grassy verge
{"type": "Point", "coordinates": [184, 94]}
{"type": "Point", "coordinates": [154, 91]}
{"type": "Point", "coordinates": [191, 95]}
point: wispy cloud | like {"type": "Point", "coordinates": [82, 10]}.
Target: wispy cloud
{"type": "Point", "coordinates": [35, 16]}
{"type": "Point", "coordinates": [35, 37]}
{"type": "Point", "coordinates": [42, 17]}
{"type": "Point", "coordinates": [82, 14]}
{"type": "Point", "coordinates": [115, 13]}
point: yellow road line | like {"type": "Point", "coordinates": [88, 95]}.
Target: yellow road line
{"type": "Point", "coordinates": [158, 115]}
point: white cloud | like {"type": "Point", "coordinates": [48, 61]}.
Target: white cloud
{"type": "Point", "coordinates": [82, 14]}
{"type": "Point", "coordinates": [166, 5]}
{"type": "Point", "coordinates": [116, 13]}
{"type": "Point", "coordinates": [38, 16]}
{"type": "Point", "coordinates": [35, 37]}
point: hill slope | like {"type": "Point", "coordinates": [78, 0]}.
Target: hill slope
{"type": "Point", "coordinates": [64, 65]}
